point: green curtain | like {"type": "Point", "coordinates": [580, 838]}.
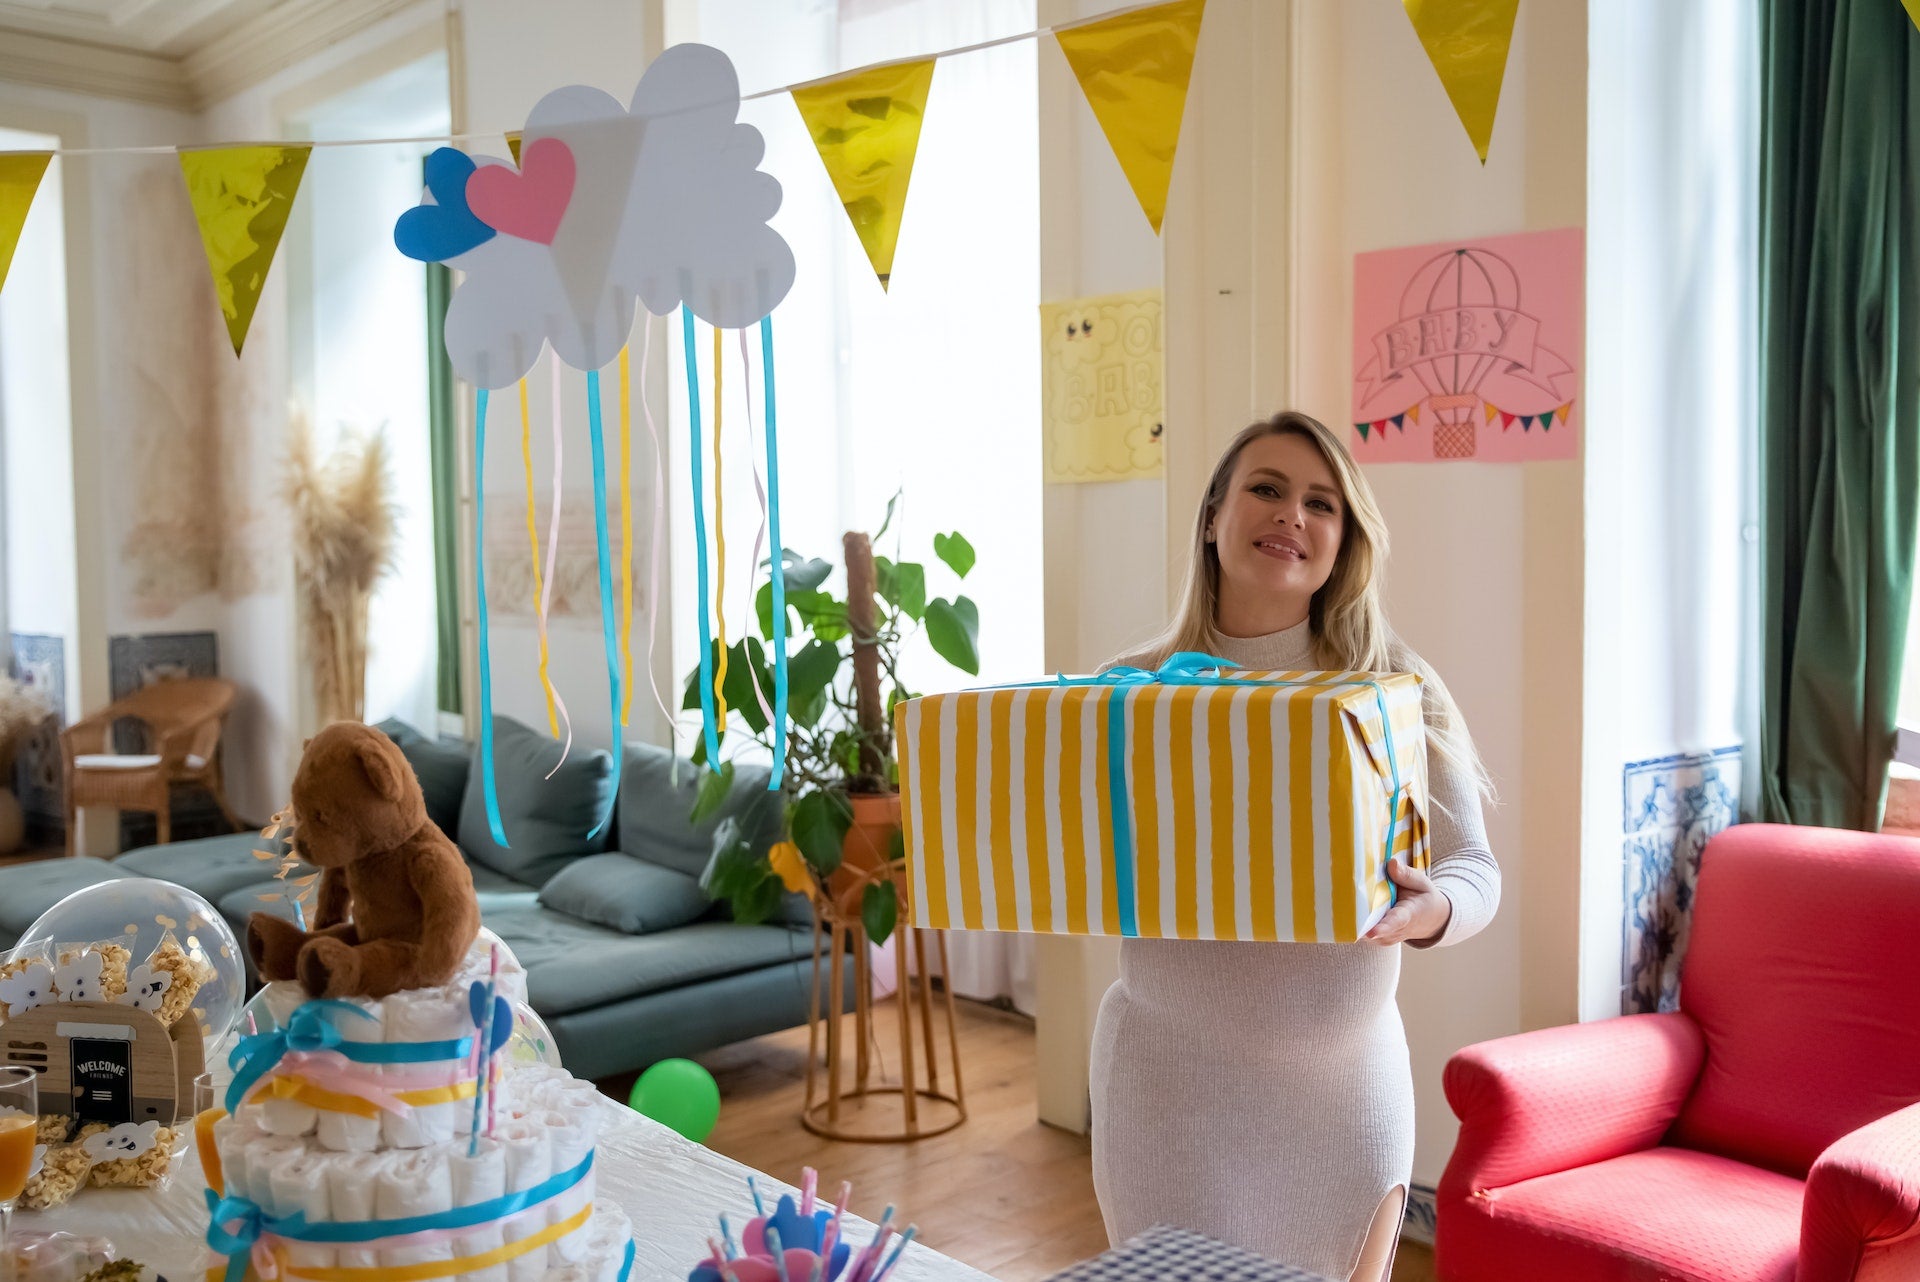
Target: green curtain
{"type": "Point", "coordinates": [1839, 397]}
{"type": "Point", "coordinates": [446, 489]}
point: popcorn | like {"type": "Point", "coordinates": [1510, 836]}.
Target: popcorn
{"type": "Point", "coordinates": [189, 974]}
{"type": "Point", "coordinates": [149, 1148]}
{"type": "Point", "coordinates": [59, 1178]}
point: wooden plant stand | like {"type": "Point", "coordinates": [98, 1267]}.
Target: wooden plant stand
{"type": "Point", "coordinates": [859, 1115]}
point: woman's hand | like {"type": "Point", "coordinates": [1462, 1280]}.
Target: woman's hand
{"type": "Point", "coordinates": [1420, 913]}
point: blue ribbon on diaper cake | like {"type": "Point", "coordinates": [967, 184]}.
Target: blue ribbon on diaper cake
{"type": "Point", "coordinates": [1188, 668]}
{"type": "Point", "coordinates": [312, 1027]}
{"type": "Point", "coordinates": [238, 1227]}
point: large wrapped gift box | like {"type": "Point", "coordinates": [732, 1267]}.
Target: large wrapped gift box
{"type": "Point", "coordinates": [1195, 802]}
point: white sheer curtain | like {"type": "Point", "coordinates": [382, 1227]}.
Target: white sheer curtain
{"type": "Point", "coordinates": [931, 389]}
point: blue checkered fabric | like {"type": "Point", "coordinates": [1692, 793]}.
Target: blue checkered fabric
{"type": "Point", "coordinates": [1176, 1255]}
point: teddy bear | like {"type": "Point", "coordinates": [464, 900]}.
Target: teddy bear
{"type": "Point", "coordinates": [396, 907]}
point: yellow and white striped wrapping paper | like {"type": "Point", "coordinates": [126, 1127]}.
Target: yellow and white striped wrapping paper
{"type": "Point", "coordinates": [1257, 811]}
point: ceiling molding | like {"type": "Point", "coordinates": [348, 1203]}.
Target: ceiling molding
{"type": "Point", "coordinates": [54, 63]}
{"type": "Point", "coordinates": [277, 39]}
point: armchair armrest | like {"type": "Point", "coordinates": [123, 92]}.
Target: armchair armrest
{"type": "Point", "coordinates": [1560, 1098]}
{"type": "Point", "coordinates": [87, 735]}
{"type": "Point", "coordinates": [1861, 1215]}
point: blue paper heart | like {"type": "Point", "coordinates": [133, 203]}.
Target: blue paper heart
{"type": "Point", "coordinates": [447, 228]}
{"type": "Point", "coordinates": [502, 1014]}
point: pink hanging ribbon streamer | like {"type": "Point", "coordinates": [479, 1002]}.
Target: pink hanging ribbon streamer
{"type": "Point", "coordinates": [659, 517]}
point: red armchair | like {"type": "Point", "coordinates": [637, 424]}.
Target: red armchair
{"type": "Point", "coordinates": [1769, 1131]}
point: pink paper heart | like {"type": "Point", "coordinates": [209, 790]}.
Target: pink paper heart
{"type": "Point", "coordinates": [528, 203]}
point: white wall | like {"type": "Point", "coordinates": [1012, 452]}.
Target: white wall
{"type": "Point", "coordinates": [1671, 340]}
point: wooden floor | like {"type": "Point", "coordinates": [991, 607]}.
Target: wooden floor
{"type": "Point", "coordinates": [1002, 1193]}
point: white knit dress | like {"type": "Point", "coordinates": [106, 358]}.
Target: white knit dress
{"type": "Point", "coordinates": [1261, 1093]}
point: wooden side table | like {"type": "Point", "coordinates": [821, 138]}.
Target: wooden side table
{"type": "Point", "coordinates": [862, 1114]}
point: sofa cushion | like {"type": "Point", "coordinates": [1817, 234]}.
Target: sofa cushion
{"type": "Point", "coordinates": [212, 867]}
{"type": "Point", "coordinates": [442, 769]}
{"type": "Point", "coordinates": [546, 820]}
{"type": "Point", "coordinates": [657, 794]}
{"type": "Point", "coordinates": [496, 890]}
{"type": "Point", "coordinates": [573, 965]}
{"type": "Point", "coordinates": [625, 894]}
{"type": "Point", "coordinates": [32, 888]}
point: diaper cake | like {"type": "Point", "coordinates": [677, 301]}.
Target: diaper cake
{"type": "Point", "coordinates": [379, 1126]}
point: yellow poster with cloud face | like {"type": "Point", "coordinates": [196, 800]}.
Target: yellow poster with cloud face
{"type": "Point", "coordinates": [1100, 383]}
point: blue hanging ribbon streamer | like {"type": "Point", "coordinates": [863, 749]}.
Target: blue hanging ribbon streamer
{"type": "Point", "coordinates": [480, 590]}
{"type": "Point", "coordinates": [311, 1027]}
{"type": "Point", "coordinates": [779, 565]}
{"type": "Point", "coordinates": [1191, 669]}
{"type": "Point", "coordinates": [704, 605]}
{"type": "Point", "coordinates": [236, 1223]}
{"type": "Point", "coordinates": [608, 626]}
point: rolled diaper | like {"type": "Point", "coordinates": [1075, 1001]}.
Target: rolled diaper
{"type": "Point", "coordinates": [409, 1184]}
{"type": "Point", "coordinates": [529, 1162]}
{"type": "Point", "coordinates": [607, 1235]}
{"type": "Point", "coordinates": [287, 1117]}
{"type": "Point", "coordinates": [570, 1144]}
{"type": "Point", "coordinates": [476, 1179]}
{"type": "Point", "coordinates": [352, 1183]}
{"type": "Point", "coordinates": [252, 1176]}
{"type": "Point", "coordinates": [429, 1015]}
{"type": "Point", "coordinates": [300, 1185]}
{"type": "Point", "coordinates": [350, 1132]}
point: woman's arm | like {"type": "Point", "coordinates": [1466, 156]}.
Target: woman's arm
{"type": "Point", "coordinates": [1463, 868]}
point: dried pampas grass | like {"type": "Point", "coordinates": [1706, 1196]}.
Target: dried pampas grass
{"type": "Point", "coordinates": [343, 518]}
{"type": "Point", "coordinates": [22, 709]}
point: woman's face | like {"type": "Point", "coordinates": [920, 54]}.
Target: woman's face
{"type": "Point", "coordinates": [1278, 529]}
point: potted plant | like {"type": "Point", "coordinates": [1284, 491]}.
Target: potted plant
{"type": "Point", "coordinates": [841, 831]}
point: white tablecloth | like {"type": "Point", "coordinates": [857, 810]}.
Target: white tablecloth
{"type": "Point", "coordinates": [672, 1190]}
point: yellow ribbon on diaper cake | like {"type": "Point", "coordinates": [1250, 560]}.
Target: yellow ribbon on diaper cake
{"type": "Point", "coordinates": [304, 1090]}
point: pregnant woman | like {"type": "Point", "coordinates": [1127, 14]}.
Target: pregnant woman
{"type": "Point", "coordinates": [1260, 1093]}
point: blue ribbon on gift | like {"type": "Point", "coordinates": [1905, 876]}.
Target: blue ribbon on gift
{"type": "Point", "coordinates": [1188, 668]}
{"type": "Point", "coordinates": [238, 1223]}
{"type": "Point", "coordinates": [312, 1028]}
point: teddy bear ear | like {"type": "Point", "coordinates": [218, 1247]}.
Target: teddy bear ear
{"type": "Point", "coordinates": [382, 772]}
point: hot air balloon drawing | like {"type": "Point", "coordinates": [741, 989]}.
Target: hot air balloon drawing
{"type": "Point", "coordinates": [1450, 338]}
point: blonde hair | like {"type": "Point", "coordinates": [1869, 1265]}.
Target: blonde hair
{"type": "Point", "coordinates": [1347, 625]}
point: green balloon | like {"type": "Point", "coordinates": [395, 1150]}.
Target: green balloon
{"type": "Point", "coordinates": [680, 1095]}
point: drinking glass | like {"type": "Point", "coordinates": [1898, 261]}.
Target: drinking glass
{"type": "Point", "coordinates": [206, 1111]}
{"type": "Point", "coordinates": [19, 1124]}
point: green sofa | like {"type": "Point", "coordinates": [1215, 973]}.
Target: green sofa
{"type": "Point", "coordinates": [626, 959]}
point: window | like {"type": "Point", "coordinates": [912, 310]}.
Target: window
{"type": "Point", "coordinates": [931, 389]}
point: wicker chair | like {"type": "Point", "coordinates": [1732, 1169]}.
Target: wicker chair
{"type": "Point", "coordinates": [184, 720]}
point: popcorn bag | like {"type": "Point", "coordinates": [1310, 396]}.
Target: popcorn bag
{"type": "Point", "coordinates": [1196, 802]}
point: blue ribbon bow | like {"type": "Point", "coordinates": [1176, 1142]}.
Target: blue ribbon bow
{"type": "Point", "coordinates": [1190, 668]}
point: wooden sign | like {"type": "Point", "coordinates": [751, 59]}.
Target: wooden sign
{"type": "Point", "coordinates": [104, 1062]}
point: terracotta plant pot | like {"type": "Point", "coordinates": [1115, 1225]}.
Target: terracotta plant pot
{"type": "Point", "coordinates": [866, 850]}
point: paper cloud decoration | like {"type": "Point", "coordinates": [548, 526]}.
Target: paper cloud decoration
{"type": "Point", "coordinates": [656, 204]}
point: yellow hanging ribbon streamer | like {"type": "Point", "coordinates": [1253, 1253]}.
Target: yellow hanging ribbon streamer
{"type": "Point", "coordinates": [626, 537]}
{"type": "Point", "coordinates": [432, 1269]}
{"type": "Point", "coordinates": [533, 540]}
{"type": "Point", "coordinates": [313, 1095]}
{"type": "Point", "coordinates": [719, 548]}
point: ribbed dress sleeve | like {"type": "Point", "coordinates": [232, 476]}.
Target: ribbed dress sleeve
{"type": "Point", "coordinates": [1463, 866]}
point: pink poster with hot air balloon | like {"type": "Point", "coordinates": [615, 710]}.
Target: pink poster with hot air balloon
{"type": "Point", "coordinates": [1469, 350]}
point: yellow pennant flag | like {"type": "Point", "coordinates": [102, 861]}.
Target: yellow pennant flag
{"type": "Point", "coordinates": [1467, 42]}
{"type": "Point", "coordinates": [1134, 69]}
{"type": "Point", "coordinates": [513, 144]}
{"type": "Point", "coordinates": [20, 174]}
{"type": "Point", "coordinates": [1913, 11]}
{"type": "Point", "coordinates": [866, 127]}
{"type": "Point", "coordinates": [241, 199]}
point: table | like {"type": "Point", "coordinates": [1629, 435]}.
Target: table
{"type": "Point", "coordinates": [669, 1187]}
